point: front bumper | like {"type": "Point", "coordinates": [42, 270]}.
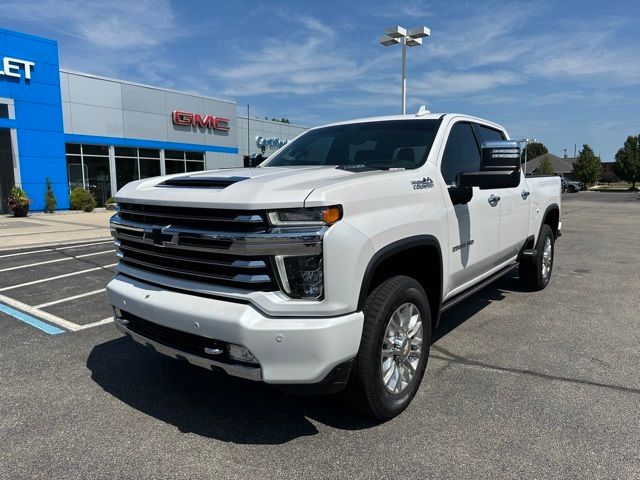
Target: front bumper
{"type": "Point", "coordinates": [289, 350]}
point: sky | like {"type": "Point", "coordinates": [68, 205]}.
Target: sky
{"type": "Point", "coordinates": [563, 72]}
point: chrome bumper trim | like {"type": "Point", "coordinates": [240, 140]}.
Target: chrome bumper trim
{"type": "Point", "coordinates": [249, 373]}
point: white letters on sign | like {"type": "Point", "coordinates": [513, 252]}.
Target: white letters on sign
{"type": "Point", "coordinates": [11, 67]}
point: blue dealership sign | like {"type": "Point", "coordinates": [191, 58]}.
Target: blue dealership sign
{"type": "Point", "coordinates": [30, 81]}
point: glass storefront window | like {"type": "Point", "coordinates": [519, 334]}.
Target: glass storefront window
{"type": "Point", "coordinates": [126, 171]}
{"type": "Point", "coordinates": [97, 179]}
{"type": "Point", "coordinates": [88, 167]}
{"type": "Point", "coordinates": [177, 161]}
{"type": "Point", "coordinates": [195, 166]}
{"type": "Point", "coordinates": [136, 163]}
{"type": "Point", "coordinates": [174, 166]}
{"type": "Point", "coordinates": [149, 167]}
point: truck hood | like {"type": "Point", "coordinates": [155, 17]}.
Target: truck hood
{"type": "Point", "coordinates": [241, 188]}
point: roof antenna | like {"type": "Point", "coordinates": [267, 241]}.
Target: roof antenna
{"type": "Point", "coordinates": [422, 111]}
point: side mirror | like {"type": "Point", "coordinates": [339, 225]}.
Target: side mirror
{"type": "Point", "coordinates": [499, 167]}
{"type": "Point", "coordinates": [460, 195]}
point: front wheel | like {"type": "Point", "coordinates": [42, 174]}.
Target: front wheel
{"type": "Point", "coordinates": [393, 350]}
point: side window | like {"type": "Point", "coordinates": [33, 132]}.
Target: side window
{"type": "Point", "coordinates": [488, 134]}
{"type": "Point", "coordinates": [461, 153]}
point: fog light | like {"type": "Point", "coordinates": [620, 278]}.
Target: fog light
{"type": "Point", "coordinates": [118, 312]}
{"type": "Point", "coordinates": [241, 354]}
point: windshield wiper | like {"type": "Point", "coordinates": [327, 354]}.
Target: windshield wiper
{"type": "Point", "coordinates": [360, 168]}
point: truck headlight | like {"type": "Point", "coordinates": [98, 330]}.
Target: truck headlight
{"type": "Point", "coordinates": [292, 217]}
{"type": "Point", "coordinates": [301, 276]}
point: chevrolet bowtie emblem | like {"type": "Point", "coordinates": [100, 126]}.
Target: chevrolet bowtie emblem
{"type": "Point", "coordinates": [160, 237]}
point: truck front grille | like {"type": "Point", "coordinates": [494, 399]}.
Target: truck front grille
{"type": "Point", "coordinates": [204, 245]}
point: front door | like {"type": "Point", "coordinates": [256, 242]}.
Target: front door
{"type": "Point", "coordinates": [514, 205]}
{"type": "Point", "coordinates": [474, 228]}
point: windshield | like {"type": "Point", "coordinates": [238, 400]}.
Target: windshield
{"type": "Point", "coordinates": [385, 144]}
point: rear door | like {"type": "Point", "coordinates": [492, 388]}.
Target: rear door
{"type": "Point", "coordinates": [474, 228]}
{"type": "Point", "coordinates": [514, 205]}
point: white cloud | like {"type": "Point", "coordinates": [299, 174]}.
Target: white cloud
{"type": "Point", "coordinates": [308, 62]}
{"type": "Point", "coordinates": [107, 24]}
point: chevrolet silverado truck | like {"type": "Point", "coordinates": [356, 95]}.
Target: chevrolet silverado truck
{"type": "Point", "coordinates": [328, 267]}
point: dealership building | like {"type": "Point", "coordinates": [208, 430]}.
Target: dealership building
{"type": "Point", "coordinates": [78, 129]}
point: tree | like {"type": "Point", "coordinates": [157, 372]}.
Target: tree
{"type": "Point", "coordinates": [587, 168]}
{"type": "Point", "coordinates": [534, 149]}
{"type": "Point", "coordinates": [545, 167]}
{"type": "Point", "coordinates": [50, 202]}
{"type": "Point", "coordinates": [628, 161]}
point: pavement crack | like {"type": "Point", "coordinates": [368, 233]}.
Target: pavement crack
{"type": "Point", "coordinates": [453, 358]}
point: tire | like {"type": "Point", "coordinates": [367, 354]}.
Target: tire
{"type": "Point", "coordinates": [367, 391]}
{"type": "Point", "coordinates": [536, 273]}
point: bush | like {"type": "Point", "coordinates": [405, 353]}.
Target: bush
{"type": "Point", "coordinates": [50, 202]}
{"type": "Point", "coordinates": [81, 199]}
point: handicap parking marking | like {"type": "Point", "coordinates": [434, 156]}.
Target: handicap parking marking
{"type": "Point", "coordinates": [28, 314]}
{"type": "Point", "coordinates": [28, 319]}
{"type": "Point", "coordinates": [44, 273]}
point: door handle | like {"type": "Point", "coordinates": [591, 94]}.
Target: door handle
{"type": "Point", "coordinates": [524, 194]}
{"type": "Point", "coordinates": [493, 200]}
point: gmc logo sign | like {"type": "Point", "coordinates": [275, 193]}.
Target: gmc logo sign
{"type": "Point", "coordinates": [195, 120]}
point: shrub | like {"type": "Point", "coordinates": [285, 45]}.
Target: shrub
{"type": "Point", "coordinates": [110, 200]}
{"type": "Point", "coordinates": [81, 199]}
{"type": "Point", "coordinates": [50, 202]}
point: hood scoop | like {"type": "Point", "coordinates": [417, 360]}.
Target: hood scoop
{"type": "Point", "coordinates": [199, 181]}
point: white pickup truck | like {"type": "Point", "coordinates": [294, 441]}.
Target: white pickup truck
{"type": "Point", "coordinates": [328, 267]}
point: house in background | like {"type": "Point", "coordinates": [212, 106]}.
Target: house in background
{"type": "Point", "coordinates": [561, 166]}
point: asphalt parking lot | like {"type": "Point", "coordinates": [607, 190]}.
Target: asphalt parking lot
{"type": "Point", "coordinates": [519, 384]}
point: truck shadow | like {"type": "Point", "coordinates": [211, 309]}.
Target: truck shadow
{"type": "Point", "coordinates": [229, 409]}
{"type": "Point", "coordinates": [211, 404]}
{"type": "Point", "coordinates": [462, 312]}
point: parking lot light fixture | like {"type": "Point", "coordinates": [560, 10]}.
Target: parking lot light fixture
{"type": "Point", "coordinates": [412, 38]}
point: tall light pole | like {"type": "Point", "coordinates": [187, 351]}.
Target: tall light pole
{"type": "Point", "coordinates": [526, 142]}
{"type": "Point", "coordinates": [412, 38]}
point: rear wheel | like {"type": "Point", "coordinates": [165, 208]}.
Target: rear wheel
{"type": "Point", "coordinates": [394, 348]}
{"type": "Point", "coordinates": [536, 273]}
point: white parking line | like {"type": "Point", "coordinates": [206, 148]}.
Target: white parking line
{"type": "Point", "coordinates": [26, 284]}
{"type": "Point", "coordinates": [62, 300]}
{"type": "Point", "coordinates": [54, 261]}
{"type": "Point", "coordinates": [95, 324]}
{"type": "Point", "coordinates": [8, 269]}
{"type": "Point", "coordinates": [61, 322]}
{"type": "Point", "coordinates": [54, 249]}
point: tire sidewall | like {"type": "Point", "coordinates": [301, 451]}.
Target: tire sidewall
{"type": "Point", "coordinates": [389, 404]}
{"type": "Point", "coordinates": [546, 233]}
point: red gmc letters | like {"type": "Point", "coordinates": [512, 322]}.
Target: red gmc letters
{"type": "Point", "coordinates": [196, 120]}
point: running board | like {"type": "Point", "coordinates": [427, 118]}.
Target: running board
{"type": "Point", "coordinates": [453, 301]}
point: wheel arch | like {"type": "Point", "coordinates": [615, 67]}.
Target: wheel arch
{"type": "Point", "coordinates": [399, 258]}
{"type": "Point", "coordinates": [551, 217]}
